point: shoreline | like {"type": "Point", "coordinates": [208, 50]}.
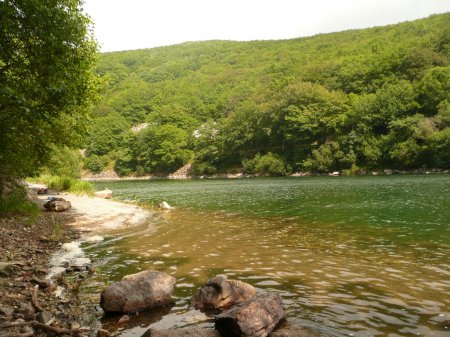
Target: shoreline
{"type": "Point", "coordinates": [32, 304]}
{"type": "Point", "coordinates": [112, 176]}
{"type": "Point", "coordinates": [93, 214]}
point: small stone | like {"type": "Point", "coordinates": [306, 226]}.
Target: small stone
{"type": "Point", "coordinates": [124, 319]}
{"type": "Point", "coordinates": [44, 317]}
{"type": "Point", "coordinates": [43, 283]}
{"type": "Point", "coordinates": [103, 333]}
{"type": "Point", "coordinates": [75, 326]}
{"type": "Point", "coordinates": [6, 311]}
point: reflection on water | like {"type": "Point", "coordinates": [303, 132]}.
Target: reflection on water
{"type": "Point", "coordinates": [339, 278]}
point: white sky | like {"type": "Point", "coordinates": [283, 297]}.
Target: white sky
{"type": "Point", "coordinates": [137, 24]}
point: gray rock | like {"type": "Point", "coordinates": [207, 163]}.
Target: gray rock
{"type": "Point", "coordinates": [219, 293]}
{"type": "Point", "coordinates": [182, 333]}
{"type": "Point", "coordinates": [44, 317]}
{"type": "Point", "coordinates": [57, 205]}
{"type": "Point", "coordinates": [145, 290]}
{"type": "Point", "coordinates": [43, 283]}
{"type": "Point", "coordinates": [255, 317]}
{"type": "Point", "coordinates": [7, 311]}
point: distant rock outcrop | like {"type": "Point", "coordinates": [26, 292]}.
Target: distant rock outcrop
{"type": "Point", "coordinates": [145, 290]}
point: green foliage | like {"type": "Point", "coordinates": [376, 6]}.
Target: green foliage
{"type": "Point", "coordinates": [64, 162]}
{"type": "Point", "coordinates": [61, 183]}
{"type": "Point", "coordinates": [16, 201]}
{"type": "Point", "coordinates": [163, 148]}
{"type": "Point", "coordinates": [324, 159]}
{"type": "Point", "coordinates": [354, 100]}
{"type": "Point", "coordinates": [47, 83]}
{"type": "Point", "coordinates": [439, 144]}
{"type": "Point", "coordinates": [95, 163]}
{"type": "Point", "coordinates": [266, 165]}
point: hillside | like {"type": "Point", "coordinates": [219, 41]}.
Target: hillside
{"type": "Point", "coordinates": [354, 100]}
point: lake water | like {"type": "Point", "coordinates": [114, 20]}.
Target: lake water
{"type": "Point", "coordinates": [351, 256]}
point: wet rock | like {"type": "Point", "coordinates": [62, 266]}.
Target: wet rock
{"type": "Point", "coordinates": [145, 290]}
{"type": "Point", "coordinates": [182, 333]}
{"type": "Point", "coordinates": [57, 205]}
{"type": "Point", "coordinates": [255, 317]}
{"type": "Point", "coordinates": [219, 292]}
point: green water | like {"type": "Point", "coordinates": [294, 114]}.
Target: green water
{"type": "Point", "coordinates": [362, 256]}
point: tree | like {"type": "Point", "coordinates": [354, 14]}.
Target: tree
{"type": "Point", "coordinates": [47, 82]}
{"type": "Point", "coordinates": [163, 148]}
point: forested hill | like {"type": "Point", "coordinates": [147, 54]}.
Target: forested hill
{"type": "Point", "coordinates": [355, 100]}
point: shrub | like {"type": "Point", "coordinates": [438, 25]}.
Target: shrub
{"type": "Point", "coordinates": [95, 163]}
{"type": "Point", "coordinates": [75, 186]}
{"type": "Point", "coordinates": [267, 165]}
{"type": "Point", "coordinates": [13, 198]}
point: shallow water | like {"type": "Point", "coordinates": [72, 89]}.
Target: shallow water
{"type": "Point", "coordinates": [362, 256]}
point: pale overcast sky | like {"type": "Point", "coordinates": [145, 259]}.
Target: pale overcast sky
{"type": "Point", "coordinates": [137, 24]}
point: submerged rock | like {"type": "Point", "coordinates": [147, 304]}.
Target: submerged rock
{"type": "Point", "coordinates": [182, 333]}
{"type": "Point", "coordinates": [145, 290]}
{"type": "Point", "coordinates": [219, 292]}
{"type": "Point", "coordinates": [255, 317]}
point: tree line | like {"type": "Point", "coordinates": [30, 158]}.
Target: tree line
{"type": "Point", "coordinates": [356, 100]}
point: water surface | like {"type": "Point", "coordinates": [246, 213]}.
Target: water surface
{"type": "Point", "coordinates": [362, 256]}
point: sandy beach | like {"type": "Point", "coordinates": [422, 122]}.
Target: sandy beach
{"type": "Point", "coordinates": [91, 214]}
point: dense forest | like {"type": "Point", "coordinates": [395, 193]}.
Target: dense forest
{"type": "Point", "coordinates": [351, 101]}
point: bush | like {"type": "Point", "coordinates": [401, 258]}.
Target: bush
{"type": "Point", "coordinates": [203, 168]}
{"type": "Point", "coordinates": [95, 163]}
{"type": "Point", "coordinates": [68, 184]}
{"type": "Point", "coordinates": [64, 162]}
{"type": "Point", "coordinates": [13, 198]}
{"type": "Point", "coordinates": [267, 165]}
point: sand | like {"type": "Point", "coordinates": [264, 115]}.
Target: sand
{"type": "Point", "coordinates": [92, 214]}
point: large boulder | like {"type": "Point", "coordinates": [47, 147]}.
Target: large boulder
{"type": "Point", "coordinates": [255, 317]}
{"type": "Point", "coordinates": [221, 293]}
{"type": "Point", "coordinates": [57, 205]}
{"type": "Point", "coordinates": [145, 290]}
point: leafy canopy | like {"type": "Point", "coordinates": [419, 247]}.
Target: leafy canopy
{"type": "Point", "coordinates": [47, 83]}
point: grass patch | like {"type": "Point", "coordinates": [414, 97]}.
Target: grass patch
{"type": "Point", "coordinates": [17, 202]}
{"type": "Point", "coordinates": [68, 184]}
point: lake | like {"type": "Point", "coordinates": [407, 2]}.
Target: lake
{"type": "Point", "coordinates": [351, 256]}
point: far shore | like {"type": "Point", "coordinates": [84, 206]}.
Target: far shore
{"type": "Point", "coordinates": [112, 176]}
